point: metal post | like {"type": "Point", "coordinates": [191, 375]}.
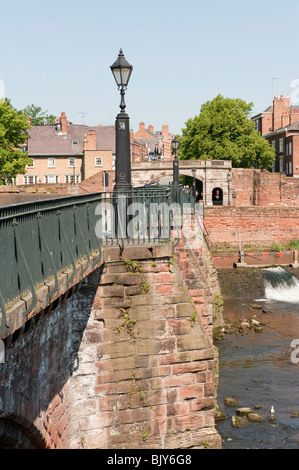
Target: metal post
{"type": "Point", "coordinates": [123, 157]}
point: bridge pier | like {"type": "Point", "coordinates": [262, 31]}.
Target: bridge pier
{"type": "Point", "coordinates": [127, 354]}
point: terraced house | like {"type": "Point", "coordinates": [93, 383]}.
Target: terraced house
{"type": "Point", "coordinates": [68, 153]}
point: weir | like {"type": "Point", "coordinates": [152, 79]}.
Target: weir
{"type": "Point", "coordinates": [281, 285]}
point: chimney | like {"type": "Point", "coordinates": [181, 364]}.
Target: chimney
{"type": "Point", "coordinates": [294, 116]}
{"type": "Point", "coordinates": [151, 128]}
{"type": "Point", "coordinates": [285, 119]}
{"type": "Point", "coordinates": [141, 126]}
{"type": "Point", "coordinates": [90, 142]}
{"type": "Point", "coordinates": [281, 105]}
{"type": "Point", "coordinates": [165, 130]}
{"type": "Point", "coordinates": [64, 123]}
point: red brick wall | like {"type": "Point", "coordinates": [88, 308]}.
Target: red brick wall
{"type": "Point", "coordinates": [295, 144]}
{"type": "Point", "coordinates": [258, 226]}
{"type": "Point", "coordinates": [266, 123]}
{"type": "Point", "coordinates": [123, 363]}
{"type": "Point", "coordinates": [280, 104]}
{"type": "Point", "coordinates": [263, 188]}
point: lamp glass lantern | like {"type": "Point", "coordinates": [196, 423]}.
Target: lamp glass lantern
{"type": "Point", "coordinates": [175, 143]}
{"type": "Point", "coordinates": [121, 70]}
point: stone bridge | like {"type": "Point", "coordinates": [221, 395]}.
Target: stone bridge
{"type": "Point", "coordinates": [213, 174]}
{"type": "Point", "coordinates": [103, 339]}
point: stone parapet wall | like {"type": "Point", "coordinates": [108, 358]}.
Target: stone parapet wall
{"type": "Point", "coordinates": [124, 362]}
{"type": "Point", "coordinates": [154, 377]}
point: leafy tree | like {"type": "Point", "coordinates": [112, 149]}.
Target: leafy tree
{"type": "Point", "coordinates": [223, 131]}
{"type": "Point", "coordinates": [37, 116]}
{"type": "Point", "coordinates": [13, 135]}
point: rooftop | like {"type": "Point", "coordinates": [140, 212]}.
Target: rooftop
{"type": "Point", "coordinates": [46, 140]}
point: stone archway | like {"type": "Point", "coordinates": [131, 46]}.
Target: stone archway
{"type": "Point", "coordinates": [16, 432]}
{"type": "Point", "coordinates": [212, 173]}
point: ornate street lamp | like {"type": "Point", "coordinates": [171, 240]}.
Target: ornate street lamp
{"type": "Point", "coordinates": [176, 172]}
{"type": "Point", "coordinates": [193, 182]}
{"type": "Point", "coordinates": [122, 70]}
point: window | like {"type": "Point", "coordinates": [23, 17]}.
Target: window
{"type": "Point", "coordinates": [51, 162]}
{"type": "Point", "coordinates": [72, 178]}
{"type": "Point", "coordinates": [287, 168]}
{"type": "Point", "coordinates": [273, 144]}
{"type": "Point", "coordinates": [281, 164]}
{"type": "Point", "coordinates": [280, 145]}
{"type": "Point", "coordinates": [13, 182]}
{"type": "Point", "coordinates": [75, 141]}
{"type": "Point", "coordinates": [290, 168]}
{"type": "Point", "coordinates": [257, 125]}
{"type": "Point", "coordinates": [98, 161]}
{"type": "Point", "coordinates": [30, 179]}
{"type": "Point", "coordinates": [51, 179]}
{"type": "Point", "coordinates": [72, 163]}
{"type": "Point", "coordinates": [31, 163]}
{"type": "Point", "coordinates": [290, 148]}
{"type": "Point", "coordinates": [273, 167]}
{"type": "Point", "coordinates": [287, 149]}
{"type": "Point", "coordinates": [113, 162]}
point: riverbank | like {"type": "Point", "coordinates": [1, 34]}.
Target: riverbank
{"type": "Point", "coordinates": [255, 366]}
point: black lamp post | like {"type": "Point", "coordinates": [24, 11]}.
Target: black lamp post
{"type": "Point", "coordinates": [122, 70]}
{"type": "Point", "coordinates": [176, 171]}
{"type": "Point", "coordinates": [193, 182]}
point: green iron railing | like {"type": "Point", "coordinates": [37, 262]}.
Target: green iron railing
{"type": "Point", "coordinates": [43, 238]}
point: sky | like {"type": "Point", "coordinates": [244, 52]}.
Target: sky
{"type": "Point", "coordinates": [57, 55]}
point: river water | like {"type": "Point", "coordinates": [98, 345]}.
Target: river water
{"type": "Point", "coordinates": [260, 369]}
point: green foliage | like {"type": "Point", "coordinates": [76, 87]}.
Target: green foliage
{"type": "Point", "coordinates": [37, 116]}
{"type": "Point", "coordinates": [276, 247]}
{"type": "Point", "coordinates": [132, 266]}
{"type": "Point", "coordinates": [145, 285]}
{"type": "Point", "coordinates": [193, 318]}
{"type": "Point", "coordinates": [128, 321]}
{"type": "Point", "coordinates": [294, 244]}
{"type": "Point", "coordinates": [13, 134]}
{"type": "Point", "coordinates": [218, 300]}
{"type": "Point", "coordinates": [223, 131]}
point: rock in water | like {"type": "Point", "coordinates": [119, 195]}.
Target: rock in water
{"type": "Point", "coordinates": [255, 417]}
{"type": "Point", "coordinates": [229, 401]}
{"type": "Point", "coordinates": [239, 421]}
{"type": "Point", "coordinates": [244, 411]}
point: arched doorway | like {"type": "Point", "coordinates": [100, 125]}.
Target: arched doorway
{"type": "Point", "coordinates": [193, 185]}
{"type": "Point", "coordinates": [217, 197]}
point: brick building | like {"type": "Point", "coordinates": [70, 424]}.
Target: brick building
{"type": "Point", "coordinates": [155, 145]}
{"type": "Point", "coordinates": [68, 153]}
{"type": "Point", "coordinates": [279, 124]}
